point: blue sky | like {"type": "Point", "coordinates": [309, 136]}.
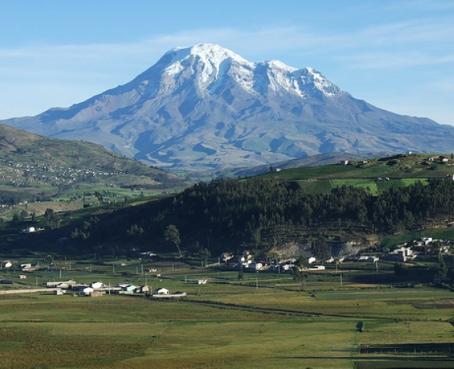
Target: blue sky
{"type": "Point", "coordinates": [398, 55]}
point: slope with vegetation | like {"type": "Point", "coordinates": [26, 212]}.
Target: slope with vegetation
{"type": "Point", "coordinates": [259, 213]}
{"type": "Point", "coordinates": [374, 175]}
{"type": "Point", "coordinates": [34, 168]}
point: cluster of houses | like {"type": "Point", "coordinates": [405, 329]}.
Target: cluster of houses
{"type": "Point", "coordinates": [425, 247]}
{"type": "Point", "coordinates": [420, 248]}
{"type": "Point", "coordinates": [32, 229]}
{"type": "Point", "coordinates": [248, 263]}
{"type": "Point", "coordinates": [96, 289]}
{"type": "Point", "coordinates": [351, 162]}
{"type": "Point", "coordinates": [437, 159]}
{"type": "Point", "coordinates": [24, 173]}
{"type": "Point", "coordinates": [24, 267]}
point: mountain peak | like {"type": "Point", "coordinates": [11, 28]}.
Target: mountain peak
{"type": "Point", "coordinates": [205, 52]}
{"type": "Point", "coordinates": [205, 107]}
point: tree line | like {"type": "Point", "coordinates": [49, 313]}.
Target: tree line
{"type": "Point", "coordinates": [230, 214]}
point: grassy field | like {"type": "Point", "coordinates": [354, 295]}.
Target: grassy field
{"type": "Point", "coordinates": [262, 321]}
{"type": "Point", "coordinates": [376, 176]}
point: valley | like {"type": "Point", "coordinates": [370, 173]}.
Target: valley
{"type": "Point", "coordinates": [263, 320]}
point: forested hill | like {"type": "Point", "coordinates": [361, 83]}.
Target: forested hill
{"type": "Point", "coordinates": [258, 213]}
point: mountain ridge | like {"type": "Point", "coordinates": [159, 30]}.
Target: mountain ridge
{"type": "Point", "coordinates": [207, 108]}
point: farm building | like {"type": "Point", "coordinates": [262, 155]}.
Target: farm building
{"type": "Point", "coordinates": [162, 291]}
{"type": "Point", "coordinates": [97, 285]}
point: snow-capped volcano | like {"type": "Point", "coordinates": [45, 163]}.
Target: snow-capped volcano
{"type": "Point", "coordinates": [206, 107]}
{"type": "Point", "coordinates": [209, 66]}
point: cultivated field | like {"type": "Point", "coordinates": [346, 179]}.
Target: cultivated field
{"type": "Point", "coordinates": [262, 321]}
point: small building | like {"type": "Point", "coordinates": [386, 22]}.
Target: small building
{"type": "Point", "coordinates": [202, 281]}
{"type": "Point", "coordinates": [226, 256]}
{"type": "Point", "coordinates": [6, 281]}
{"type": "Point", "coordinates": [97, 285]}
{"type": "Point", "coordinates": [97, 293]}
{"type": "Point", "coordinates": [311, 260]}
{"type": "Point", "coordinates": [22, 276]}
{"type": "Point", "coordinates": [60, 292]}
{"type": "Point", "coordinates": [315, 268]}
{"type": "Point", "coordinates": [87, 291]}
{"type": "Point", "coordinates": [61, 284]}
{"type": "Point", "coordinates": [7, 264]}
{"type": "Point", "coordinates": [287, 266]}
{"type": "Point", "coordinates": [257, 266]}
{"type": "Point", "coordinates": [162, 291]}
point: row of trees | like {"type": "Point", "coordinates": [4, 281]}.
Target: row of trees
{"type": "Point", "coordinates": [262, 212]}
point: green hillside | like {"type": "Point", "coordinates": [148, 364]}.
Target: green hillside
{"type": "Point", "coordinates": [35, 168]}
{"type": "Point", "coordinates": [374, 175]}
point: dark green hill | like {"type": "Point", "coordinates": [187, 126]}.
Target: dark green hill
{"type": "Point", "coordinates": [259, 214]}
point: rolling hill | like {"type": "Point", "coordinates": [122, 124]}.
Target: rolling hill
{"type": "Point", "coordinates": [206, 108]}
{"type": "Point", "coordinates": [362, 201]}
{"type": "Point", "coordinates": [373, 174]}
{"type": "Point", "coordinates": [33, 167]}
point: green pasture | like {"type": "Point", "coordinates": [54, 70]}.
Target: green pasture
{"type": "Point", "coordinates": [263, 320]}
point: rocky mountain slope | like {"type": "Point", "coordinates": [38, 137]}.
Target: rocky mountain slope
{"type": "Point", "coordinates": [207, 108]}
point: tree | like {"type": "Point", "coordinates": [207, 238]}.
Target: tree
{"type": "Point", "coordinates": [300, 277]}
{"type": "Point", "coordinates": [360, 326]}
{"type": "Point", "coordinates": [240, 273]}
{"type": "Point", "coordinates": [442, 270]}
{"type": "Point", "coordinates": [204, 254]}
{"type": "Point", "coordinates": [51, 219]}
{"type": "Point", "coordinates": [172, 235]}
{"type": "Point", "coordinates": [135, 230]}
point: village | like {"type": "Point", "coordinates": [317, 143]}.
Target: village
{"type": "Point", "coordinates": [422, 249]}
{"type": "Point", "coordinates": [23, 174]}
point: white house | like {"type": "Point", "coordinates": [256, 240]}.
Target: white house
{"type": "Point", "coordinates": [129, 288]}
{"type": "Point", "coordinates": [226, 256]}
{"type": "Point", "coordinates": [87, 291]}
{"type": "Point", "coordinates": [97, 285]}
{"type": "Point", "coordinates": [256, 266]}
{"type": "Point", "coordinates": [202, 281]}
{"type": "Point", "coordinates": [29, 230]}
{"type": "Point", "coordinates": [286, 267]}
{"type": "Point", "coordinates": [312, 260]}
{"type": "Point", "coordinates": [22, 276]}
{"type": "Point", "coordinates": [162, 291]}
{"type": "Point", "coordinates": [7, 264]}
{"type": "Point", "coordinates": [318, 267]}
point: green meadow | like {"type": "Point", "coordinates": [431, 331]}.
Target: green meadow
{"type": "Point", "coordinates": [261, 321]}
